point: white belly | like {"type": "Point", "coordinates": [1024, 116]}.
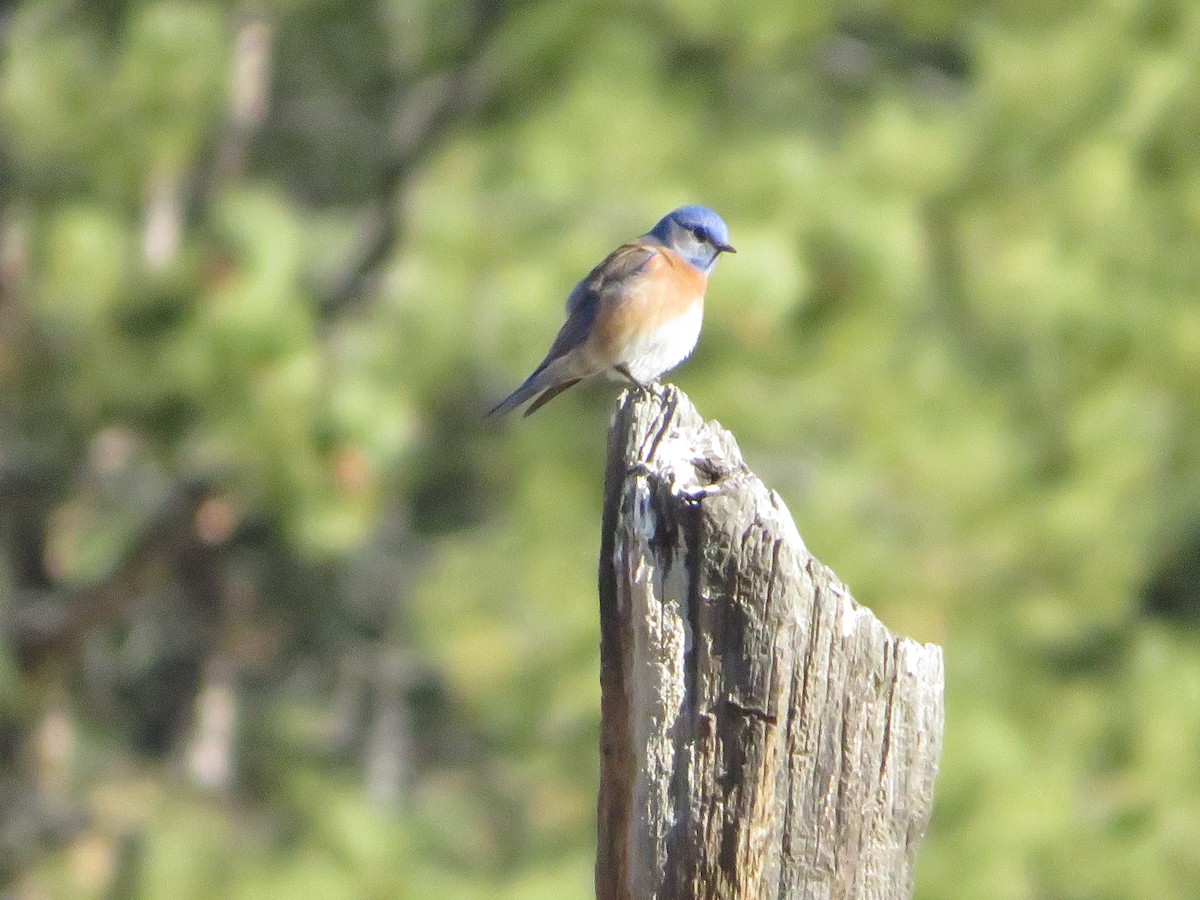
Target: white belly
{"type": "Point", "coordinates": [659, 351]}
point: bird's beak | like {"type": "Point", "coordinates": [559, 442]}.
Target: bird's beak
{"type": "Point", "coordinates": [725, 248]}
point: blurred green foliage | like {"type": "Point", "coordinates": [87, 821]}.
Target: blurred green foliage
{"type": "Point", "coordinates": [267, 264]}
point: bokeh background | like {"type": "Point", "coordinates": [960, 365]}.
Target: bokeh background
{"type": "Point", "coordinates": [281, 616]}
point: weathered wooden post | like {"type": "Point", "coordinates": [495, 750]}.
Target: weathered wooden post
{"type": "Point", "coordinates": [763, 735]}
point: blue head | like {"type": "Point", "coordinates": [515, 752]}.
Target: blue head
{"type": "Point", "coordinates": [696, 233]}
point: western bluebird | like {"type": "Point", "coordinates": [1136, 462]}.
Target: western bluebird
{"type": "Point", "coordinates": [637, 314]}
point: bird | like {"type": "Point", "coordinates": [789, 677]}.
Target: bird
{"type": "Point", "coordinates": [636, 315]}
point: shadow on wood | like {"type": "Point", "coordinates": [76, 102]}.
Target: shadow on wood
{"type": "Point", "coordinates": [763, 735]}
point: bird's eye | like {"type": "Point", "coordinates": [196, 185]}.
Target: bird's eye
{"type": "Point", "coordinates": [701, 234]}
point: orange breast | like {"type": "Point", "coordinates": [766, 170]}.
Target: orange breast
{"type": "Point", "coordinates": [667, 288]}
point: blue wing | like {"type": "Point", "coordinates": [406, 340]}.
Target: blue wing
{"type": "Point", "coordinates": [603, 283]}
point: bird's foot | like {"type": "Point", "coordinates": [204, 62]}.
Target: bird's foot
{"type": "Point", "coordinates": [657, 389]}
{"type": "Point", "coordinates": [623, 371]}
{"type": "Point", "coordinates": [652, 388]}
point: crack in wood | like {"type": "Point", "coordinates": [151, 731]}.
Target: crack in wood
{"type": "Point", "coordinates": [797, 739]}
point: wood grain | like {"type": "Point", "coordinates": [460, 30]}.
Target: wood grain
{"type": "Point", "coordinates": [763, 735]}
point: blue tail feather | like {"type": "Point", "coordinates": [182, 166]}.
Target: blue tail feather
{"type": "Point", "coordinates": [529, 387]}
